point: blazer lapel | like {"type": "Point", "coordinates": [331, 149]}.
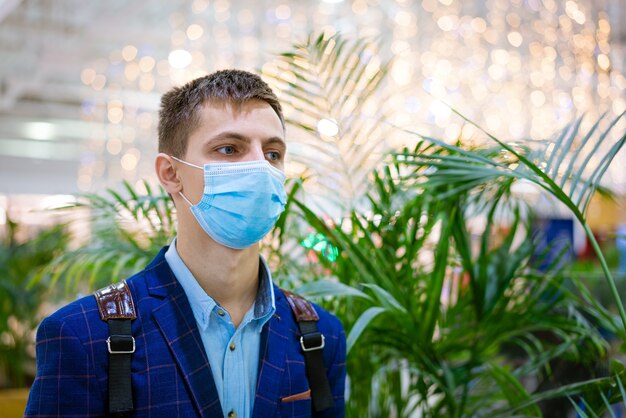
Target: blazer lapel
{"type": "Point", "coordinates": [272, 358]}
{"type": "Point", "coordinates": [175, 319]}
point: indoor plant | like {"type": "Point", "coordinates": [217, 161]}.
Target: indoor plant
{"type": "Point", "coordinates": [21, 308]}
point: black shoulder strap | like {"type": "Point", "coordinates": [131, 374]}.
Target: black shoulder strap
{"type": "Point", "coordinates": [312, 343]}
{"type": "Point", "coordinates": [116, 307]}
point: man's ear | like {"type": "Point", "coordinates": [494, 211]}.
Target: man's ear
{"type": "Point", "coordinates": [168, 174]}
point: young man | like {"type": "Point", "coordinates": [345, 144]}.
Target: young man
{"type": "Point", "coordinates": [209, 334]}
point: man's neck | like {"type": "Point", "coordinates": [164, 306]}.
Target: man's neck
{"type": "Point", "coordinates": [230, 277]}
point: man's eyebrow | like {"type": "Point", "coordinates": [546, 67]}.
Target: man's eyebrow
{"type": "Point", "coordinates": [276, 140]}
{"type": "Point", "coordinates": [229, 135]}
{"type": "Point", "coordinates": [243, 138]}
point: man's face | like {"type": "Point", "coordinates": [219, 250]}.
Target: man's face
{"type": "Point", "coordinates": [232, 133]}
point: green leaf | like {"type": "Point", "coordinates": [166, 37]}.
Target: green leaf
{"type": "Point", "coordinates": [324, 288]}
{"type": "Point", "coordinates": [588, 409]}
{"type": "Point", "coordinates": [622, 392]}
{"type": "Point", "coordinates": [576, 154]}
{"type": "Point", "coordinates": [512, 389]}
{"type": "Point", "coordinates": [433, 298]}
{"type": "Point", "coordinates": [579, 411]}
{"type": "Point", "coordinates": [583, 190]}
{"type": "Point", "coordinates": [607, 405]}
{"type": "Point", "coordinates": [385, 298]}
{"type": "Point", "coordinates": [564, 390]}
{"type": "Point", "coordinates": [360, 325]}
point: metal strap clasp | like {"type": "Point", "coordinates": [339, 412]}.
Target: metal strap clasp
{"type": "Point", "coordinates": [121, 344]}
{"type": "Point", "coordinates": [311, 342]}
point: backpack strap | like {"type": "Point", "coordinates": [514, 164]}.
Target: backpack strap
{"type": "Point", "coordinates": [312, 342]}
{"type": "Point", "coordinates": [116, 307]}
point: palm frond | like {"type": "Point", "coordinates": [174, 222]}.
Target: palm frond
{"type": "Point", "coordinates": [127, 229]}
{"type": "Point", "coordinates": [332, 79]}
{"type": "Point", "coordinates": [542, 167]}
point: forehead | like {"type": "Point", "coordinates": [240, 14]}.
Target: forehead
{"type": "Point", "coordinates": [216, 113]}
{"type": "Point", "coordinates": [220, 122]}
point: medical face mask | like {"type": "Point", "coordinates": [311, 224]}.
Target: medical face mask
{"type": "Point", "coordinates": [241, 201]}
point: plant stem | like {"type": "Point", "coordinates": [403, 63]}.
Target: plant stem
{"type": "Point", "coordinates": [607, 273]}
{"type": "Point", "coordinates": [469, 370]}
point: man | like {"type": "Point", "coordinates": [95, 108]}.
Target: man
{"type": "Point", "coordinates": [211, 335]}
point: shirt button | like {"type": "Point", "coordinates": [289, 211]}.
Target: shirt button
{"type": "Point", "coordinates": [232, 348]}
{"type": "Point", "coordinates": [232, 414]}
{"type": "Point", "coordinates": [221, 312]}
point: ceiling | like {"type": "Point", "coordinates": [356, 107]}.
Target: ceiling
{"type": "Point", "coordinates": [45, 45]}
{"type": "Point", "coordinates": [55, 113]}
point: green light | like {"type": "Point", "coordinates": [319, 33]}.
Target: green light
{"type": "Point", "coordinates": [318, 243]}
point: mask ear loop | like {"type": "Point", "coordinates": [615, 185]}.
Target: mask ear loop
{"type": "Point", "coordinates": [185, 199]}
{"type": "Point", "coordinates": [185, 162]}
{"type": "Point", "coordinates": [191, 165]}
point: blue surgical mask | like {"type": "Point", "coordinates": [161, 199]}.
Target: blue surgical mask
{"type": "Point", "coordinates": [241, 201]}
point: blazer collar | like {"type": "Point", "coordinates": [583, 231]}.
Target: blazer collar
{"type": "Point", "coordinates": [176, 322]}
{"type": "Point", "coordinates": [160, 280]}
{"type": "Point", "coordinates": [272, 359]}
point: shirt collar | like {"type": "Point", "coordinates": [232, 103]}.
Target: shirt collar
{"type": "Point", "coordinates": [202, 304]}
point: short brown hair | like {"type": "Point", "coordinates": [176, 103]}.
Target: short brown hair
{"type": "Point", "coordinates": [178, 116]}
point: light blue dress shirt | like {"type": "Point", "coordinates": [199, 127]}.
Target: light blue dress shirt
{"type": "Point", "coordinates": [233, 352]}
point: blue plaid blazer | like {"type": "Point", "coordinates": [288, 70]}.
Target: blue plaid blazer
{"type": "Point", "coordinates": [171, 376]}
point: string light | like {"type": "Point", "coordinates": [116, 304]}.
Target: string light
{"type": "Point", "coordinates": [542, 61]}
{"type": "Point", "coordinates": [179, 58]}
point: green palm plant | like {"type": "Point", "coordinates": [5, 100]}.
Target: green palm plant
{"type": "Point", "coordinates": [598, 403]}
{"type": "Point", "coordinates": [426, 309]}
{"type": "Point", "coordinates": [556, 166]}
{"type": "Point", "coordinates": [326, 85]}
{"type": "Point", "coordinates": [127, 229]}
{"type": "Point", "coordinates": [20, 311]}
{"type": "Point", "coordinates": [425, 353]}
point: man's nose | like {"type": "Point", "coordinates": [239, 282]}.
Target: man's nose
{"type": "Point", "coordinates": [255, 153]}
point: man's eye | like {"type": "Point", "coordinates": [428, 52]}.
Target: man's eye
{"type": "Point", "coordinates": [226, 150]}
{"type": "Point", "coordinates": [272, 155]}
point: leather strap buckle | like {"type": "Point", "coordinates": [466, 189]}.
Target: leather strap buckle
{"type": "Point", "coordinates": [121, 344]}
{"type": "Point", "coordinates": [115, 302]}
{"type": "Point", "coordinates": [311, 342]}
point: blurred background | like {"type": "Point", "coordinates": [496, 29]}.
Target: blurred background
{"type": "Point", "coordinates": [80, 84]}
